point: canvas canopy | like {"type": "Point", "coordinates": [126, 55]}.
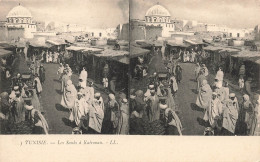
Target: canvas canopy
{"type": "Point", "coordinates": [4, 52]}
{"type": "Point", "coordinates": [137, 51]}
{"type": "Point", "coordinates": [56, 42]}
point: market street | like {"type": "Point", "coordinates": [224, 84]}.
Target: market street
{"type": "Point", "coordinates": [56, 115]}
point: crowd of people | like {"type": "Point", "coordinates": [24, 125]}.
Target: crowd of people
{"type": "Point", "coordinates": [89, 114]}
{"type": "Point", "coordinates": [22, 102]}
{"type": "Point", "coordinates": [224, 115]}
{"type": "Point", "coordinates": [155, 111]}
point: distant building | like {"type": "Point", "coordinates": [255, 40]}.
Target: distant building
{"type": "Point", "coordinates": [257, 32]}
{"type": "Point", "coordinates": [157, 15]}
{"type": "Point", "coordinates": [19, 24]}
{"type": "Point", "coordinates": [123, 32]}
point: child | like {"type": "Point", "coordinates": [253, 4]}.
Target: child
{"type": "Point", "coordinates": [241, 82]}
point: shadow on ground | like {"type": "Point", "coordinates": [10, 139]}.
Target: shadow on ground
{"type": "Point", "coordinates": [194, 91]}
{"type": "Point", "coordinates": [56, 80]}
{"type": "Point", "coordinates": [202, 122]}
{"type": "Point", "coordinates": [193, 80]}
{"type": "Point", "coordinates": [194, 107]}
{"type": "Point", "coordinates": [58, 91]}
{"type": "Point", "coordinates": [61, 108]}
{"type": "Point", "coordinates": [67, 122]}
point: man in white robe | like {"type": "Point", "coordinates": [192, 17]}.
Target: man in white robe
{"type": "Point", "coordinates": [69, 95]}
{"type": "Point", "coordinates": [80, 109]}
{"type": "Point", "coordinates": [214, 111]}
{"type": "Point", "coordinates": [83, 74]}
{"type": "Point", "coordinates": [230, 115]}
{"type": "Point", "coordinates": [60, 71]}
{"type": "Point", "coordinates": [96, 116]}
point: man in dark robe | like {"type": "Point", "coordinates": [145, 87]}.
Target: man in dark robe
{"type": "Point", "coordinates": [178, 72]}
{"type": "Point", "coordinates": [42, 74]}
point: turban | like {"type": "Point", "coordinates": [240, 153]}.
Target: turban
{"type": "Point", "coordinates": [111, 96]}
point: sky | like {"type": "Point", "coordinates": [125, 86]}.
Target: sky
{"type": "Point", "coordinates": [233, 13]}
{"type": "Point", "coordinates": [92, 13]}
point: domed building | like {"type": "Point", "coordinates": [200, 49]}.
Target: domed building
{"type": "Point", "coordinates": [157, 15]}
{"type": "Point", "coordinates": [19, 21]}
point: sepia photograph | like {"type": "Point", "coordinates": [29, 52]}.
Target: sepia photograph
{"type": "Point", "coordinates": [64, 66]}
{"type": "Point", "coordinates": [145, 80]}
{"type": "Point", "coordinates": [194, 67]}
{"type": "Point", "coordinates": [130, 67]}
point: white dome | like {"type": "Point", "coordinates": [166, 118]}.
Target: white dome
{"type": "Point", "coordinates": [157, 10]}
{"type": "Point", "coordinates": [19, 11]}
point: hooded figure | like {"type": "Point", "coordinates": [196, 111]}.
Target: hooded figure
{"type": "Point", "coordinates": [124, 121]}
{"type": "Point", "coordinates": [197, 70]}
{"type": "Point", "coordinates": [79, 109]}
{"type": "Point", "coordinates": [69, 95]}
{"type": "Point", "coordinates": [205, 70]}
{"type": "Point", "coordinates": [42, 74]}
{"type": "Point", "coordinates": [34, 99]}
{"type": "Point", "coordinates": [220, 75]}
{"type": "Point", "coordinates": [37, 85]}
{"type": "Point", "coordinates": [230, 115]}
{"type": "Point", "coordinates": [173, 122]}
{"type": "Point", "coordinates": [96, 116]}
{"type": "Point", "coordinates": [64, 80]}
{"type": "Point", "coordinates": [214, 111]}
{"type": "Point", "coordinates": [98, 98]}
{"type": "Point", "coordinates": [173, 85]}
{"type": "Point", "coordinates": [115, 113]}
{"type": "Point", "coordinates": [60, 71]}
{"type": "Point", "coordinates": [40, 123]}
{"type": "Point", "coordinates": [204, 95]}
{"type": "Point", "coordinates": [83, 75]}
{"type": "Point", "coordinates": [200, 78]}
{"type": "Point", "coordinates": [4, 104]}
{"type": "Point", "coordinates": [255, 124]}
{"type": "Point", "coordinates": [246, 113]}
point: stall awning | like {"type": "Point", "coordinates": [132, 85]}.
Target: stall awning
{"type": "Point", "coordinates": [74, 48]}
{"type": "Point", "coordinates": [6, 46]}
{"type": "Point", "coordinates": [85, 49]}
{"type": "Point", "coordinates": [124, 60]}
{"type": "Point", "coordinates": [40, 44]}
{"type": "Point", "coordinates": [145, 43]}
{"type": "Point", "coordinates": [4, 52]}
{"type": "Point", "coordinates": [249, 56]}
{"type": "Point", "coordinates": [19, 44]}
{"type": "Point", "coordinates": [192, 42]}
{"type": "Point", "coordinates": [137, 51]}
{"type": "Point", "coordinates": [56, 42]}
{"type": "Point", "coordinates": [178, 44]}
{"type": "Point", "coordinates": [212, 48]}
{"type": "Point", "coordinates": [112, 53]}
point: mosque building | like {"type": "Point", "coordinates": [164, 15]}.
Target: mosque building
{"type": "Point", "coordinates": [19, 23]}
{"type": "Point", "coordinates": [157, 15]}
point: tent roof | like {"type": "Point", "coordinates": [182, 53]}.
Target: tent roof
{"type": "Point", "coordinates": [194, 42]}
{"type": "Point", "coordinates": [146, 43]}
{"type": "Point", "coordinates": [124, 60]}
{"type": "Point", "coordinates": [137, 51]}
{"type": "Point", "coordinates": [213, 48]}
{"type": "Point", "coordinates": [112, 53]}
{"type": "Point", "coordinates": [6, 46]}
{"type": "Point", "coordinates": [36, 43]}
{"type": "Point", "coordinates": [56, 42]}
{"type": "Point", "coordinates": [85, 49]}
{"type": "Point", "coordinates": [249, 55]}
{"type": "Point", "coordinates": [4, 52]}
{"type": "Point", "coordinates": [173, 44]}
